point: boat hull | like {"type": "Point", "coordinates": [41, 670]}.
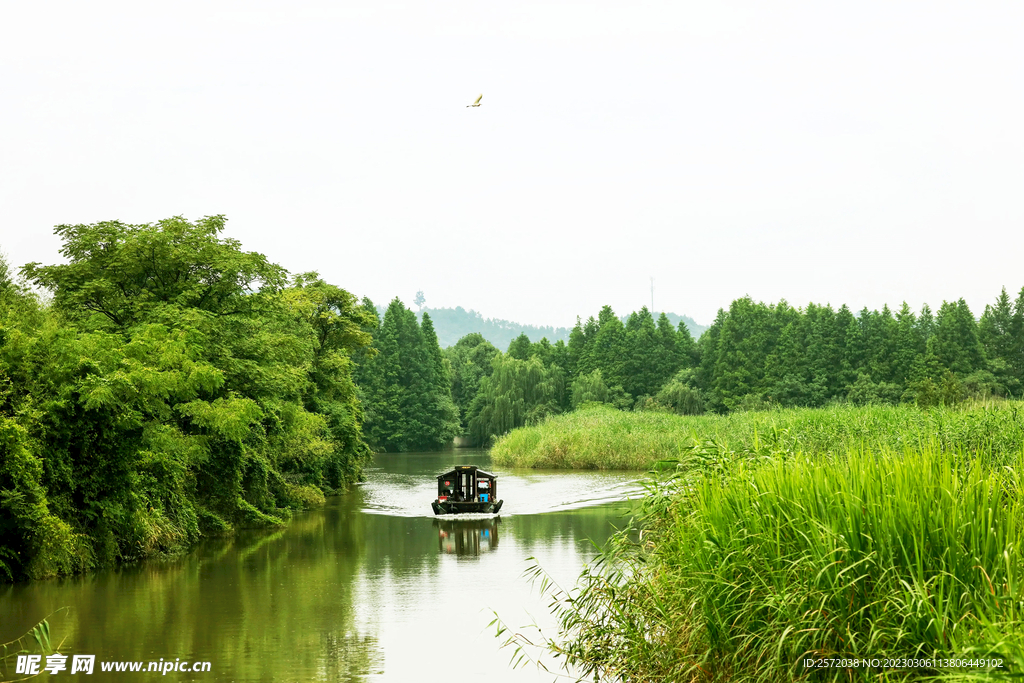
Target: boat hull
{"type": "Point", "coordinates": [450, 507]}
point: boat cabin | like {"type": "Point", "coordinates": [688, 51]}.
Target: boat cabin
{"type": "Point", "coordinates": [467, 483]}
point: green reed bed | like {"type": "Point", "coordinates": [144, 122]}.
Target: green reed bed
{"type": "Point", "coordinates": [604, 438]}
{"type": "Point", "coordinates": [596, 438]}
{"type": "Point", "coordinates": [745, 570]}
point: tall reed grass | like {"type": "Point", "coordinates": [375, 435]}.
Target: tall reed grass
{"type": "Point", "coordinates": [36, 640]}
{"type": "Point", "coordinates": [741, 570]}
{"type": "Point", "coordinates": [604, 438]}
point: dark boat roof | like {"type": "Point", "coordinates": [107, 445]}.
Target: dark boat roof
{"type": "Point", "coordinates": [467, 468]}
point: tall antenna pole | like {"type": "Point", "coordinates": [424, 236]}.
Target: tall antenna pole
{"type": "Point", "coordinates": [652, 296]}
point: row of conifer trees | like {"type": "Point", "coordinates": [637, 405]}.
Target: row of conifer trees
{"type": "Point", "coordinates": [754, 355]}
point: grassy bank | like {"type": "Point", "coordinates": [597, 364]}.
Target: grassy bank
{"type": "Point", "coordinates": [604, 438]}
{"type": "Point", "coordinates": [873, 532]}
{"type": "Point", "coordinates": [744, 572]}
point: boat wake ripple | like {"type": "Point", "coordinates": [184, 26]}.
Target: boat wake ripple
{"type": "Point", "coordinates": [525, 492]}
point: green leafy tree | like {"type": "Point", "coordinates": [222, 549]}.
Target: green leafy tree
{"type": "Point", "coordinates": [743, 349]}
{"type": "Point", "coordinates": [590, 388]}
{"type": "Point", "coordinates": [180, 386]}
{"type": "Point", "coordinates": [878, 331]}
{"type": "Point", "coordinates": [580, 348]}
{"type": "Point", "coordinates": [688, 351]}
{"type": "Point", "coordinates": [119, 274]}
{"type": "Point", "coordinates": [955, 342]}
{"type": "Point", "coordinates": [337, 326]}
{"type": "Point", "coordinates": [445, 414]}
{"type": "Point", "coordinates": [926, 323]}
{"type": "Point", "coordinates": [680, 397]}
{"type": "Point", "coordinates": [1016, 346]}
{"type": "Point", "coordinates": [409, 386]}
{"type": "Point", "coordinates": [520, 348]}
{"type": "Point", "coordinates": [647, 365]}
{"type": "Point", "coordinates": [848, 333]}
{"type": "Point", "coordinates": [610, 348]}
{"type": "Point", "coordinates": [381, 380]}
{"type": "Point", "coordinates": [668, 341]}
{"type": "Point", "coordinates": [787, 375]}
{"type": "Point", "coordinates": [999, 334]}
{"type": "Point", "coordinates": [518, 392]}
{"type": "Point", "coordinates": [470, 360]}
{"type": "Point", "coordinates": [543, 350]}
{"type": "Point", "coordinates": [824, 355]}
{"type": "Point", "coordinates": [908, 346]}
{"type": "Point", "coordinates": [708, 349]}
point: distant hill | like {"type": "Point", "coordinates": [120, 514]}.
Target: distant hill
{"type": "Point", "coordinates": [452, 324]}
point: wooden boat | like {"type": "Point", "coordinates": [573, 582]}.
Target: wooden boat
{"type": "Point", "coordinates": [467, 488]}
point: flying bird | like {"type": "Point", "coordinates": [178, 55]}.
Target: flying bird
{"type": "Point", "coordinates": [477, 102]}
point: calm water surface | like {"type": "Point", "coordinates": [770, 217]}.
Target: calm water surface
{"type": "Point", "coordinates": [373, 587]}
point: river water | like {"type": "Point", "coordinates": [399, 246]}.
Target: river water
{"type": "Point", "coordinates": [373, 587]}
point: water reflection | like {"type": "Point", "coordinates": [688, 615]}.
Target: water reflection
{"type": "Point", "coordinates": [467, 537]}
{"type": "Point", "coordinates": [266, 605]}
{"type": "Point", "coordinates": [361, 590]}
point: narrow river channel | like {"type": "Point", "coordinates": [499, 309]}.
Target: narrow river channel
{"type": "Point", "coordinates": [373, 587]}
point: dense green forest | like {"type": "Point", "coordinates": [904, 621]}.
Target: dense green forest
{"type": "Point", "coordinates": [406, 385]}
{"type": "Point", "coordinates": [753, 356]}
{"type": "Point", "coordinates": [173, 386]}
{"type": "Point", "coordinates": [626, 365]}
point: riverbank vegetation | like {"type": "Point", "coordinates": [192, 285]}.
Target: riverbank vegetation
{"type": "Point", "coordinates": [36, 641]}
{"type": "Point", "coordinates": [769, 538]}
{"type": "Point", "coordinates": [173, 386]}
{"type": "Point", "coordinates": [827, 539]}
{"type": "Point", "coordinates": [600, 437]}
{"type": "Point", "coordinates": [840, 487]}
{"type": "Point", "coordinates": [744, 572]}
{"type": "Point", "coordinates": [757, 356]}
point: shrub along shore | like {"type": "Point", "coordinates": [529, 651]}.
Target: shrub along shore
{"type": "Point", "coordinates": [801, 534]}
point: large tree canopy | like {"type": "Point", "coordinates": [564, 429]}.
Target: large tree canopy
{"type": "Point", "coordinates": [178, 385]}
{"type": "Point", "coordinates": [122, 272]}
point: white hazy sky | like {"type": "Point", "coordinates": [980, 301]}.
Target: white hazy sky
{"type": "Point", "coordinates": [861, 153]}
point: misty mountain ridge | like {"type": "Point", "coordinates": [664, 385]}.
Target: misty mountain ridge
{"type": "Point", "coordinates": [452, 324]}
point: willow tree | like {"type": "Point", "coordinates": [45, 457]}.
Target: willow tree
{"type": "Point", "coordinates": [589, 388]}
{"type": "Point", "coordinates": [517, 392]}
{"type": "Point", "coordinates": [470, 361]}
{"type": "Point", "coordinates": [681, 398]}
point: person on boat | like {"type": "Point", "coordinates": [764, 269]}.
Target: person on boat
{"type": "Point", "coordinates": [458, 496]}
